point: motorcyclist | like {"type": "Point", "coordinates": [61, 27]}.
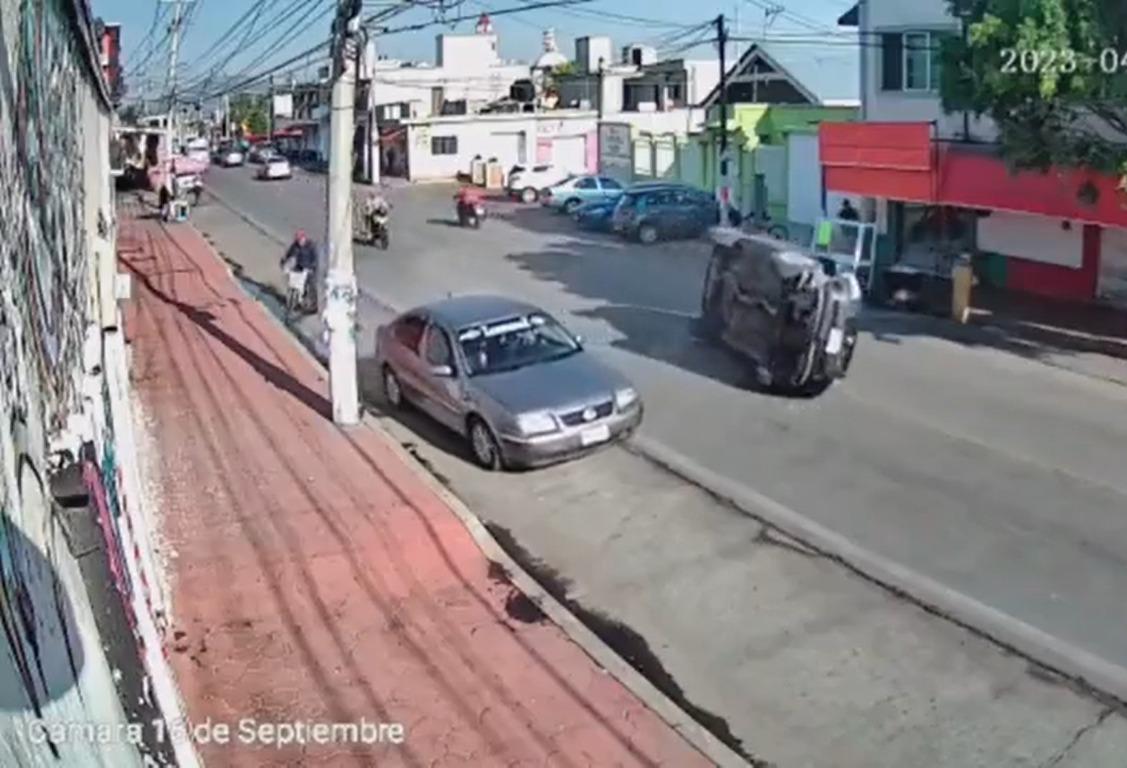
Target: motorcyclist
{"type": "Point", "coordinates": [376, 211]}
{"type": "Point", "coordinates": [465, 199]}
{"type": "Point", "coordinates": [303, 254]}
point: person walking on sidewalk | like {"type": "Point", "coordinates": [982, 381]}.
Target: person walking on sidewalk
{"type": "Point", "coordinates": [303, 254]}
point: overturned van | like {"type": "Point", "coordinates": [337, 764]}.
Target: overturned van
{"type": "Point", "coordinates": [773, 304]}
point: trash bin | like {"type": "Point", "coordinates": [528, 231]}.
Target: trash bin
{"type": "Point", "coordinates": [962, 283]}
{"type": "Point", "coordinates": [494, 175]}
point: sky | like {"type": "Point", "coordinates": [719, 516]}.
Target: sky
{"type": "Point", "coordinates": [665, 22]}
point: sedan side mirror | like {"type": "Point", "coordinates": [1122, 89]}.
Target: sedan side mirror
{"type": "Point", "coordinates": [442, 371]}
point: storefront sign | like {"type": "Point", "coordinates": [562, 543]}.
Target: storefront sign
{"type": "Point", "coordinates": [616, 151]}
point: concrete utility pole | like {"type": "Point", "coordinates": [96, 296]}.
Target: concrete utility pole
{"type": "Point", "coordinates": [173, 55]}
{"type": "Point", "coordinates": [270, 111]}
{"type": "Point", "coordinates": [723, 191]}
{"type": "Point", "coordinates": [340, 282]}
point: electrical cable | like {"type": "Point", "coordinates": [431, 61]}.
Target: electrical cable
{"type": "Point", "coordinates": [299, 26]}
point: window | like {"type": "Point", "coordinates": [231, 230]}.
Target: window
{"type": "Point", "coordinates": [609, 183]}
{"type": "Point", "coordinates": [409, 332]}
{"type": "Point", "coordinates": [917, 61]}
{"type": "Point", "coordinates": [438, 347]}
{"type": "Point", "coordinates": [586, 183]}
{"type": "Point", "coordinates": [444, 145]}
{"type": "Point", "coordinates": [910, 61]}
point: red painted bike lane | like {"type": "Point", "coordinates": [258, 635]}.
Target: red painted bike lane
{"type": "Point", "coordinates": [320, 588]}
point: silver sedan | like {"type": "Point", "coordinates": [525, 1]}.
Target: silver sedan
{"type": "Point", "coordinates": [506, 376]}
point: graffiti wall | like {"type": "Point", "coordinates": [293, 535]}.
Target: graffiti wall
{"type": "Point", "coordinates": [58, 701]}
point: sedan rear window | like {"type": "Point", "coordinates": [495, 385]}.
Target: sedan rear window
{"type": "Point", "coordinates": [515, 342]}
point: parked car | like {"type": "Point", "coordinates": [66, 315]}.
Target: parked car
{"type": "Point", "coordinates": [568, 195]}
{"type": "Point", "coordinates": [507, 377]}
{"type": "Point", "coordinates": [652, 212]}
{"type": "Point", "coordinates": [595, 216]}
{"type": "Point", "coordinates": [526, 184]}
{"type": "Point", "coordinates": [275, 167]}
{"type": "Point", "coordinates": [773, 304]}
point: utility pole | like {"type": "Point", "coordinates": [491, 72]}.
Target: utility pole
{"type": "Point", "coordinates": [340, 282]}
{"type": "Point", "coordinates": [173, 55]}
{"type": "Point", "coordinates": [270, 111]}
{"type": "Point", "coordinates": [723, 191]}
{"type": "Point", "coordinates": [602, 74]}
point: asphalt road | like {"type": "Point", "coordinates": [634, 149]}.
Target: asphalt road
{"type": "Point", "coordinates": [998, 476]}
{"type": "Point", "coordinates": [922, 453]}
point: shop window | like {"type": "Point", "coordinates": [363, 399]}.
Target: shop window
{"type": "Point", "coordinates": [444, 145]}
{"type": "Point", "coordinates": [932, 237]}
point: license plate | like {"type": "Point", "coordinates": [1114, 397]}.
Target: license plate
{"type": "Point", "coordinates": [833, 343]}
{"type": "Point", "coordinates": [599, 434]}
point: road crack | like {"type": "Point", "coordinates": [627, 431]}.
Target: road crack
{"type": "Point", "coordinates": [1076, 737]}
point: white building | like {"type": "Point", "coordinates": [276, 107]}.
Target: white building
{"type": "Point", "coordinates": [467, 74]}
{"type": "Point", "coordinates": [443, 147]}
{"type": "Point", "coordinates": [652, 96]}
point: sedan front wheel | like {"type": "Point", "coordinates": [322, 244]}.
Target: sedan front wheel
{"type": "Point", "coordinates": [486, 451]}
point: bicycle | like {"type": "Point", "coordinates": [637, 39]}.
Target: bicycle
{"type": "Point", "coordinates": [295, 291]}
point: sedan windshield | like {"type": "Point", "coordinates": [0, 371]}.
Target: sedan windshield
{"type": "Point", "coordinates": [515, 343]}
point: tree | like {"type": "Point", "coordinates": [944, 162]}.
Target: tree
{"type": "Point", "coordinates": [1052, 74]}
{"type": "Point", "coordinates": [249, 110]}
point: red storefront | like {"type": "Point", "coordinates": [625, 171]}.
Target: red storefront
{"type": "Point", "coordinates": [1055, 223]}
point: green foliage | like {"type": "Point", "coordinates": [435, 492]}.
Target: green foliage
{"type": "Point", "coordinates": [1052, 74]}
{"type": "Point", "coordinates": [249, 111]}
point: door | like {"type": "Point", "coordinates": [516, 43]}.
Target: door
{"type": "Point", "coordinates": [610, 188]}
{"type": "Point", "coordinates": [586, 189]}
{"type": "Point", "coordinates": [442, 395]}
{"type": "Point", "coordinates": [1113, 267]}
{"type": "Point", "coordinates": [403, 355]}
{"type": "Point", "coordinates": [570, 153]}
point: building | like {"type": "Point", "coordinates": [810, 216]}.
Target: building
{"type": "Point", "coordinates": [468, 73]}
{"type": "Point", "coordinates": [936, 186]}
{"type": "Point", "coordinates": [109, 44]}
{"type": "Point", "coordinates": [443, 147]}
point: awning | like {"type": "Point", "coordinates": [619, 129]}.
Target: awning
{"type": "Point", "coordinates": [901, 161]}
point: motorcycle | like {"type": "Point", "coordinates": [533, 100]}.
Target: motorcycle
{"type": "Point", "coordinates": [189, 187]}
{"type": "Point", "coordinates": [471, 213]}
{"type": "Point", "coordinates": [377, 230]}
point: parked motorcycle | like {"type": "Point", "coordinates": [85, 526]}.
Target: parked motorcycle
{"type": "Point", "coordinates": [190, 187]}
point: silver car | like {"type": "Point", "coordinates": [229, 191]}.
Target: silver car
{"type": "Point", "coordinates": [506, 376]}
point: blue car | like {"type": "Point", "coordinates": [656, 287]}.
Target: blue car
{"type": "Point", "coordinates": [596, 216]}
{"type": "Point", "coordinates": [573, 192]}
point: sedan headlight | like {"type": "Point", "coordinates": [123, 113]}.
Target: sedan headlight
{"type": "Point", "coordinates": [536, 423]}
{"type": "Point", "coordinates": [624, 398]}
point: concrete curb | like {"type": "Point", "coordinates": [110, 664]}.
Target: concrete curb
{"type": "Point", "coordinates": [689, 729]}
{"type": "Point", "coordinates": [1059, 656]}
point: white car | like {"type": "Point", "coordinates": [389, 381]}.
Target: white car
{"type": "Point", "coordinates": [275, 168]}
{"type": "Point", "coordinates": [231, 157]}
{"type": "Point", "coordinates": [527, 183]}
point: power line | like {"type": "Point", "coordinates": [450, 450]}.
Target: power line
{"type": "Point", "coordinates": [299, 26]}
{"type": "Point", "coordinates": [797, 18]}
{"type": "Point", "coordinates": [500, 12]}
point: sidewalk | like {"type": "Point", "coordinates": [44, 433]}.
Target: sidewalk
{"type": "Point", "coordinates": [317, 579]}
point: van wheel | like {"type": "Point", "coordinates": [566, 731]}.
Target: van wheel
{"type": "Point", "coordinates": [528, 195]}
{"type": "Point", "coordinates": [647, 234]}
